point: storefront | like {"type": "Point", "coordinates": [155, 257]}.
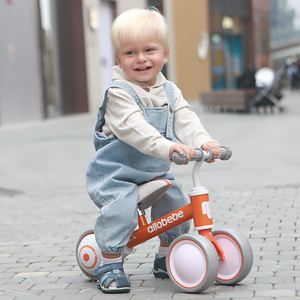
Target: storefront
{"type": "Point", "coordinates": [239, 32]}
{"type": "Point", "coordinates": [228, 37]}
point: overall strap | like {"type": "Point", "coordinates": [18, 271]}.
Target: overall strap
{"type": "Point", "coordinates": [102, 109]}
{"type": "Point", "coordinates": [127, 88]}
{"type": "Point", "coordinates": [171, 102]}
{"type": "Point", "coordinates": [132, 93]}
{"type": "Point", "coordinates": [171, 99]}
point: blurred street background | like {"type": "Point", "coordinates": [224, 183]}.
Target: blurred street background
{"type": "Point", "coordinates": [55, 63]}
{"type": "Point", "coordinates": [56, 56]}
{"type": "Point", "coordinates": [45, 207]}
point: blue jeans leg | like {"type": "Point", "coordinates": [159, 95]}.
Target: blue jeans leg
{"type": "Point", "coordinates": [118, 219]}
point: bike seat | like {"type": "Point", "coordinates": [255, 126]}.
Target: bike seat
{"type": "Point", "coordinates": [151, 192]}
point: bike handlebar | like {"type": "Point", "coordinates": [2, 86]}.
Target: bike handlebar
{"type": "Point", "coordinates": [201, 155]}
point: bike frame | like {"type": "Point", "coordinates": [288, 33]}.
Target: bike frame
{"type": "Point", "coordinates": [198, 210]}
{"type": "Point", "coordinates": [198, 270]}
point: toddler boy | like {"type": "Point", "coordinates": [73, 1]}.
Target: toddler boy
{"type": "Point", "coordinates": [141, 120]}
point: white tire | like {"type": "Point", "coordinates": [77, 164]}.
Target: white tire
{"type": "Point", "coordinates": [192, 263]}
{"type": "Point", "coordinates": [238, 256]}
{"type": "Point", "coordinates": [88, 254]}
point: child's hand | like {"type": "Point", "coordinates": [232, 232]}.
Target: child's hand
{"type": "Point", "coordinates": [215, 149]}
{"type": "Point", "coordinates": [179, 148]}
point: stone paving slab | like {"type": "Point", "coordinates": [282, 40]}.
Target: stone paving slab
{"type": "Point", "coordinates": [45, 207]}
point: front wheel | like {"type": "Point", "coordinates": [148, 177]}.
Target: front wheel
{"type": "Point", "coordinates": [192, 263]}
{"type": "Point", "coordinates": [238, 256]}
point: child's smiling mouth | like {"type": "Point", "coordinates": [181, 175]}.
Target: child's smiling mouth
{"type": "Point", "coordinates": [143, 69]}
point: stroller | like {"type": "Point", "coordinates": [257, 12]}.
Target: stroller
{"type": "Point", "coordinates": [268, 84]}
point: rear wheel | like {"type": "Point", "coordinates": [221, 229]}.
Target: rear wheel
{"type": "Point", "coordinates": [238, 256]}
{"type": "Point", "coordinates": [88, 254]}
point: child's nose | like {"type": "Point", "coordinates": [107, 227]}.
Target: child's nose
{"type": "Point", "coordinates": [141, 57]}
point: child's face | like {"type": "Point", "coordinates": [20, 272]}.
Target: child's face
{"type": "Point", "coordinates": [143, 59]}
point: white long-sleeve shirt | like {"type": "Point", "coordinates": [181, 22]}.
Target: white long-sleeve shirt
{"type": "Point", "coordinates": [124, 119]}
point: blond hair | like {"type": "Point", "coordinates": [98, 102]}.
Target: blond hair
{"type": "Point", "coordinates": [133, 22]}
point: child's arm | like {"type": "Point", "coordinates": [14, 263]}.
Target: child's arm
{"type": "Point", "coordinates": [188, 128]}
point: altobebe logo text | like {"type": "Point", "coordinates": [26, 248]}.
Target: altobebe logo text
{"type": "Point", "coordinates": [164, 222]}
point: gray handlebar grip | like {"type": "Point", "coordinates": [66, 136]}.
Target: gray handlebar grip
{"type": "Point", "coordinates": [178, 159]}
{"type": "Point", "coordinates": [181, 159]}
{"type": "Point", "coordinates": [226, 153]}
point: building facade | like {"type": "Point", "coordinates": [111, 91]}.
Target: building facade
{"type": "Point", "coordinates": [239, 31]}
{"type": "Point", "coordinates": [56, 56]}
{"type": "Point", "coordinates": [21, 90]}
{"type": "Point", "coordinates": [285, 31]}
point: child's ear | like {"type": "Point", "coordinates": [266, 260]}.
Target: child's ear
{"type": "Point", "coordinates": [118, 60]}
{"type": "Point", "coordinates": [166, 56]}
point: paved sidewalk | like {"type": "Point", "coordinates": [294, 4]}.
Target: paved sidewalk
{"type": "Point", "coordinates": [45, 207]}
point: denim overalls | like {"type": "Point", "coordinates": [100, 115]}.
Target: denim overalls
{"type": "Point", "coordinates": [116, 170]}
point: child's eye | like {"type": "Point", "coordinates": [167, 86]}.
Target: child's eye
{"type": "Point", "coordinates": [149, 50]}
{"type": "Point", "coordinates": [130, 52]}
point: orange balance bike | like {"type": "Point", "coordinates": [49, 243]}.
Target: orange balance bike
{"type": "Point", "coordinates": [194, 261]}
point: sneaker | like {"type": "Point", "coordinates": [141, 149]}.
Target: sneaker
{"type": "Point", "coordinates": [159, 267]}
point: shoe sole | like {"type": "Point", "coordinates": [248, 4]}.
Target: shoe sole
{"type": "Point", "coordinates": [114, 290]}
{"type": "Point", "coordinates": [160, 274]}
